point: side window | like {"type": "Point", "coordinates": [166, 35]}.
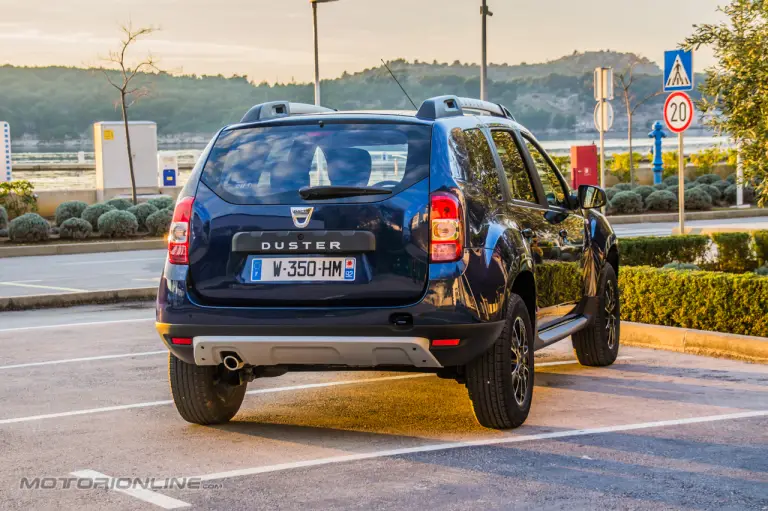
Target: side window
{"type": "Point", "coordinates": [520, 186]}
{"type": "Point", "coordinates": [476, 159]}
{"type": "Point", "coordinates": [553, 188]}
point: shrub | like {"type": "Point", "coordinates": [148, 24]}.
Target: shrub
{"type": "Point", "coordinates": [730, 194]}
{"type": "Point", "coordinates": [162, 202]}
{"type": "Point", "coordinates": [75, 229]}
{"type": "Point", "coordinates": [610, 193]}
{"type": "Point", "coordinates": [93, 213]}
{"type": "Point", "coordinates": [120, 203]}
{"type": "Point", "coordinates": [721, 302]}
{"type": "Point", "coordinates": [681, 267]}
{"type": "Point", "coordinates": [762, 271]}
{"type": "Point", "coordinates": [3, 233]}
{"type": "Point", "coordinates": [118, 224]}
{"type": "Point", "coordinates": [761, 246]}
{"type": "Point", "coordinates": [713, 192]}
{"type": "Point", "coordinates": [674, 190]}
{"type": "Point", "coordinates": [731, 178]}
{"type": "Point", "coordinates": [18, 197]}
{"type": "Point", "coordinates": [708, 179]}
{"type": "Point", "coordinates": [159, 223]}
{"type": "Point", "coordinates": [721, 185]}
{"type": "Point", "coordinates": [734, 252]}
{"type": "Point", "coordinates": [661, 200]}
{"type": "Point", "coordinates": [627, 203]}
{"type": "Point", "coordinates": [622, 187]}
{"type": "Point", "coordinates": [3, 218]}
{"type": "Point", "coordinates": [69, 209]}
{"type": "Point", "coordinates": [697, 199]}
{"type": "Point", "coordinates": [660, 186]}
{"type": "Point", "coordinates": [142, 212]}
{"type": "Point", "coordinates": [672, 180]}
{"type": "Point", "coordinates": [644, 191]}
{"type": "Point", "coordinates": [29, 227]}
{"type": "Point", "coordinates": [653, 251]}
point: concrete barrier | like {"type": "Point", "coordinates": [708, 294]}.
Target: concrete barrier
{"type": "Point", "coordinates": [82, 298]}
{"type": "Point", "coordinates": [82, 248]}
{"type": "Point", "coordinates": [696, 342]}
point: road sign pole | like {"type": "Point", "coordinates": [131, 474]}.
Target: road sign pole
{"type": "Point", "coordinates": [681, 181]}
{"type": "Point", "coordinates": [602, 144]}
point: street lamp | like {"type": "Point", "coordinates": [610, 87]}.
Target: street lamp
{"type": "Point", "coordinates": [484, 12]}
{"type": "Point", "coordinates": [317, 63]}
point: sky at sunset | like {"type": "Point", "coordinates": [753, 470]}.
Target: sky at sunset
{"type": "Point", "coordinates": [272, 39]}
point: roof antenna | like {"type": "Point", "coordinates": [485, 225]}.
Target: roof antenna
{"type": "Point", "coordinates": [398, 83]}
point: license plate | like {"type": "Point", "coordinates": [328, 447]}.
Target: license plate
{"type": "Point", "coordinates": [303, 269]}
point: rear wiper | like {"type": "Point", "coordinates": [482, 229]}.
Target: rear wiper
{"type": "Point", "coordinates": [338, 192]}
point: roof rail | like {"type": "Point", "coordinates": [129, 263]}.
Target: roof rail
{"type": "Point", "coordinates": [276, 109]}
{"type": "Point", "coordinates": [452, 106]}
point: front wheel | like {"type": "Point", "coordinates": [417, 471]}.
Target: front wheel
{"type": "Point", "coordinates": [202, 394]}
{"type": "Point", "coordinates": [598, 344]}
{"type": "Point", "coordinates": [500, 381]}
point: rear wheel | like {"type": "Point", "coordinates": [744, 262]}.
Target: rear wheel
{"type": "Point", "coordinates": [598, 344]}
{"type": "Point", "coordinates": [500, 381]}
{"type": "Point", "coordinates": [202, 394]}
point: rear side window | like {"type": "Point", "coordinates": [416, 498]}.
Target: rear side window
{"type": "Point", "coordinates": [520, 187]}
{"type": "Point", "coordinates": [269, 165]}
{"type": "Point", "coordinates": [475, 161]}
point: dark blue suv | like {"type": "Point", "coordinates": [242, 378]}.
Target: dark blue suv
{"type": "Point", "coordinates": [443, 241]}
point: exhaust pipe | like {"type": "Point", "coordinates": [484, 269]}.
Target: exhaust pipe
{"type": "Point", "coordinates": [233, 362]}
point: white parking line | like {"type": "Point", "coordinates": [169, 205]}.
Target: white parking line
{"type": "Point", "coordinates": [99, 261]}
{"type": "Point", "coordinates": [75, 325]}
{"type": "Point", "coordinates": [478, 443]}
{"type": "Point", "coordinates": [37, 286]}
{"type": "Point", "coordinates": [149, 496]}
{"type": "Point", "coordinates": [148, 404]}
{"type": "Point", "coordinates": [84, 359]}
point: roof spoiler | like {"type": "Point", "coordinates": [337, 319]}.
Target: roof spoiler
{"type": "Point", "coordinates": [441, 107]}
{"type": "Point", "coordinates": [277, 109]}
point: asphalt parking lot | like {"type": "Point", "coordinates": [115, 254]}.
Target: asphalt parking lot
{"type": "Point", "coordinates": [84, 391]}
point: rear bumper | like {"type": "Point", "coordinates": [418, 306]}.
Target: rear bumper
{"type": "Point", "coordinates": [332, 346]}
{"type": "Point", "coordinates": [316, 351]}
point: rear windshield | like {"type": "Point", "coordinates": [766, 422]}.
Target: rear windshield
{"type": "Point", "coordinates": [269, 165]}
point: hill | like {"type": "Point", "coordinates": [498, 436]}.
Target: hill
{"type": "Point", "coordinates": [57, 103]}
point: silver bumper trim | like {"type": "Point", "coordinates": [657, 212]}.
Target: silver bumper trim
{"type": "Point", "coordinates": [308, 350]}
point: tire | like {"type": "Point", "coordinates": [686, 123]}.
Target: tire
{"type": "Point", "coordinates": [200, 395]}
{"type": "Point", "coordinates": [500, 381]}
{"type": "Point", "coordinates": [598, 344]}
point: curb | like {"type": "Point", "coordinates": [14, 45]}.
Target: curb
{"type": "Point", "coordinates": [696, 342]}
{"type": "Point", "coordinates": [16, 303]}
{"type": "Point", "coordinates": [82, 248]}
{"type": "Point", "coordinates": [716, 229]}
{"type": "Point", "coordinates": [693, 215]}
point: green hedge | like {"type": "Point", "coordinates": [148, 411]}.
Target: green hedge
{"type": "Point", "coordinates": [721, 302]}
{"type": "Point", "coordinates": [653, 251]}
{"type": "Point", "coordinates": [761, 246]}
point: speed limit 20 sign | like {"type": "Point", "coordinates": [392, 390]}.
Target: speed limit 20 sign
{"type": "Point", "coordinates": [678, 112]}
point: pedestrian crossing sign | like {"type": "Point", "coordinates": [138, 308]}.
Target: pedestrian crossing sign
{"type": "Point", "coordinates": [678, 70]}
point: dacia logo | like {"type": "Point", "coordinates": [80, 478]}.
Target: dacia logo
{"type": "Point", "coordinates": [301, 216]}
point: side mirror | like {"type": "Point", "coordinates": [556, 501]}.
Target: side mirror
{"type": "Point", "coordinates": [592, 197]}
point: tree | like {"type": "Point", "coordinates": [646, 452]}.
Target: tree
{"type": "Point", "coordinates": [735, 91]}
{"type": "Point", "coordinates": [129, 94]}
{"type": "Point", "coordinates": [626, 79]}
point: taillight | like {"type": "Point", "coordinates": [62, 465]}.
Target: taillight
{"type": "Point", "coordinates": [446, 237]}
{"type": "Point", "coordinates": [178, 236]}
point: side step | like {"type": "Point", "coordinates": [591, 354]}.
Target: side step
{"type": "Point", "coordinates": [560, 331]}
